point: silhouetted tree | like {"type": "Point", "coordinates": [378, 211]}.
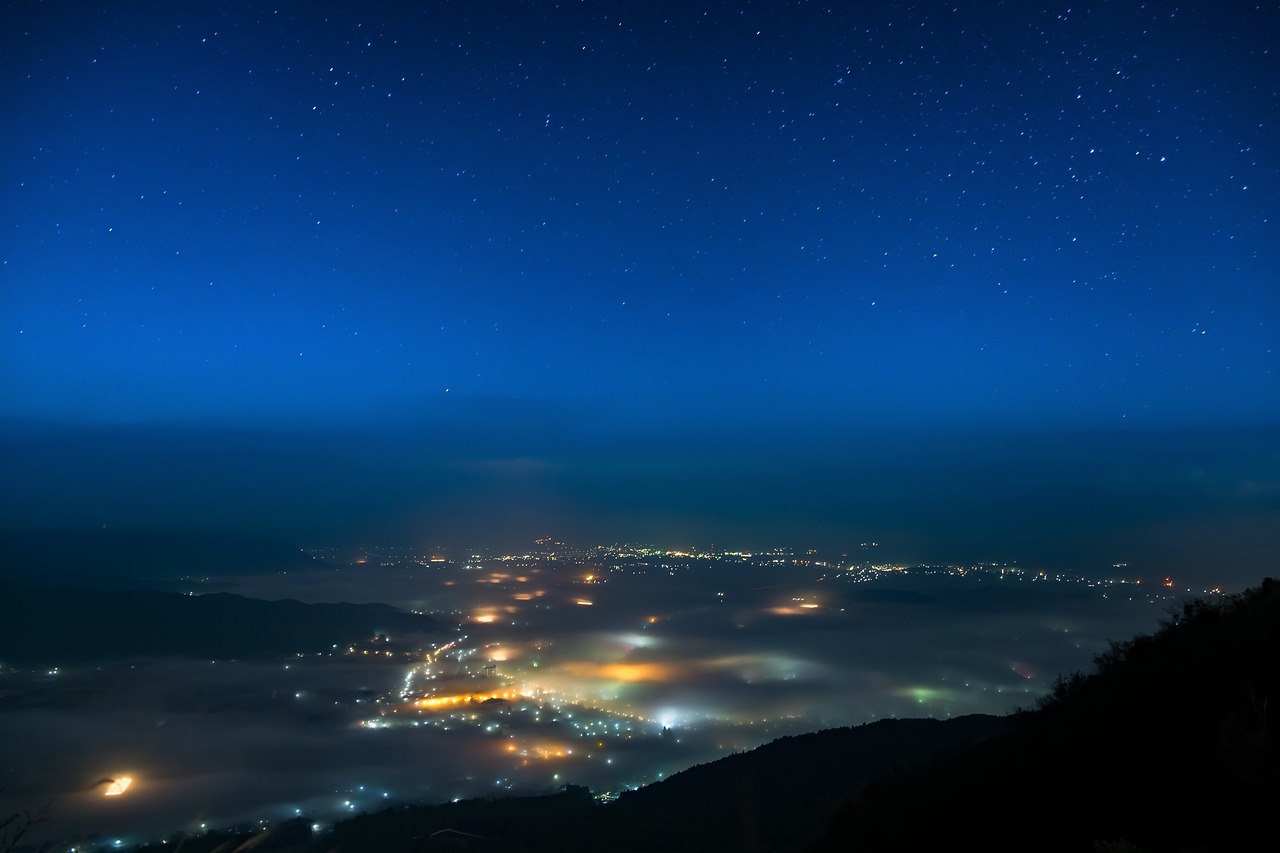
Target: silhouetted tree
{"type": "Point", "coordinates": [16, 826]}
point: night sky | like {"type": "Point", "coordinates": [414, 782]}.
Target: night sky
{"type": "Point", "coordinates": [985, 279]}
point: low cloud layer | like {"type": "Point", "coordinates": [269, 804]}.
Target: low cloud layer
{"type": "Point", "coordinates": [723, 667]}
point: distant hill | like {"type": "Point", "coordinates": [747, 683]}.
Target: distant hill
{"type": "Point", "coordinates": [67, 625]}
{"type": "Point", "coordinates": [106, 556]}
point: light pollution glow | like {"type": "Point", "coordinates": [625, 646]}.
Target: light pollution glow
{"type": "Point", "coordinates": [550, 692]}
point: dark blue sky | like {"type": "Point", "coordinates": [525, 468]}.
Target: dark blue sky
{"type": "Point", "coordinates": [600, 238]}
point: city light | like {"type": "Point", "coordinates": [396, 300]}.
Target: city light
{"type": "Point", "coordinates": [118, 786]}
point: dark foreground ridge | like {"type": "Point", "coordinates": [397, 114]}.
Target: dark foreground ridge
{"type": "Point", "coordinates": [1168, 745]}
{"type": "Point", "coordinates": [73, 625]}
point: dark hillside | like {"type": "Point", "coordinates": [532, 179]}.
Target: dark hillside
{"type": "Point", "coordinates": [66, 625]}
{"type": "Point", "coordinates": [777, 797]}
{"type": "Point", "coordinates": [1169, 745]}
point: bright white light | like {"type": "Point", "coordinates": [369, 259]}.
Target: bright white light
{"type": "Point", "coordinates": [118, 786]}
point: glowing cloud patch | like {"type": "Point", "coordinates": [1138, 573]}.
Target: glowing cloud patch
{"type": "Point", "coordinates": [627, 672]}
{"type": "Point", "coordinates": [924, 694]}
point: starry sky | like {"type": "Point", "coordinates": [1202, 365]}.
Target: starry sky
{"type": "Point", "coordinates": [519, 264]}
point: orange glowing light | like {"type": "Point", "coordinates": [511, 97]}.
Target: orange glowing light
{"type": "Point", "coordinates": [551, 749]}
{"type": "Point", "coordinates": [622, 671]}
{"type": "Point", "coordinates": [637, 671]}
{"type": "Point", "coordinates": [461, 698]}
